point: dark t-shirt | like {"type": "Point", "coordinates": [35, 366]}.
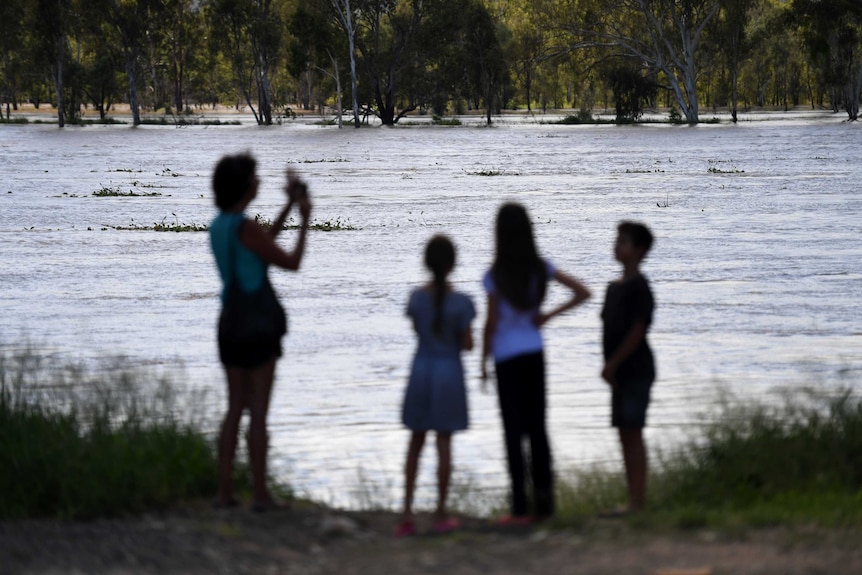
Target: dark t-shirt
{"type": "Point", "coordinates": [625, 303]}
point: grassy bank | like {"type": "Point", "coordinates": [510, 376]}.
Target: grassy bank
{"type": "Point", "coordinates": [795, 462]}
{"type": "Point", "coordinates": [82, 444]}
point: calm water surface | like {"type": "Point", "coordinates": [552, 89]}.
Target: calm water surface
{"type": "Point", "coordinates": [756, 268]}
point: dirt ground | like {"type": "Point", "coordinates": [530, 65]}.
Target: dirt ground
{"type": "Point", "coordinates": [198, 539]}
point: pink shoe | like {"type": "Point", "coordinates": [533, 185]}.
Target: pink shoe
{"type": "Point", "coordinates": [405, 529]}
{"type": "Point", "coordinates": [448, 525]}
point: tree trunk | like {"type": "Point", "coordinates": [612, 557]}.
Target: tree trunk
{"type": "Point", "coordinates": [178, 86]}
{"type": "Point", "coordinates": [59, 88]}
{"type": "Point", "coordinates": [264, 96]}
{"type": "Point", "coordinates": [337, 76]}
{"type": "Point", "coordinates": [351, 40]}
{"type": "Point", "coordinates": [735, 98]}
{"type": "Point", "coordinates": [133, 89]}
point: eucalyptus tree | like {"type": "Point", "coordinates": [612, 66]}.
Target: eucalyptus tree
{"type": "Point", "coordinates": [485, 58]}
{"type": "Point", "coordinates": [386, 42]}
{"type": "Point", "coordinates": [663, 34]}
{"type": "Point", "coordinates": [529, 47]}
{"type": "Point", "coordinates": [184, 34]}
{"type": "Point", "coordinates": [415, 53]}
{"type": "Point", "coordinates": [734, 42]}
{"type": "Point", "coordinates": [11, 53]}
{"type": "Point", "coordinates": [832, 31]}
{"type": "Point", "coordinates": [345, 14]}
{"type": "Point", "coordinates": [128, 24]}
{"type": "Point", "coordinates": [49, 25]}
{"type": "Point", "coordinates": [249, 32]}
{"type": "Point", "coordinates": [316, 50]}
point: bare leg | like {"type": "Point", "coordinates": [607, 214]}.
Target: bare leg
{"type": "Point", "coordinates": [635, 458]}
{"type": "Point", "coordinates": [260, 388]}
{"type": "Point", "coordinates": [444, 472]}
{"type": "Point", "coordinates": [414, 450]}
{"type": "Point", "coordinates": [229, 433]}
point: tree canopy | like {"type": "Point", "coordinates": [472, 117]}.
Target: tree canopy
{"type": "Point", "coordinates": [394, 57]}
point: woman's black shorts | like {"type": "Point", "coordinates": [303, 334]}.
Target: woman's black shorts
{"type": "Point", "coordinates": [248, 355]}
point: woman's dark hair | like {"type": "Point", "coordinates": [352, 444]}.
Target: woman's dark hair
{"type": "Point", "coordinates": [232, 178]}
{"type": "Point", "coordinates": [518, 272]}
{"type": "Point", "coordinates": [440, 259]}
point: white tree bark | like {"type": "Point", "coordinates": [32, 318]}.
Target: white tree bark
{"type": "Point", "coordinates": [344, 15]}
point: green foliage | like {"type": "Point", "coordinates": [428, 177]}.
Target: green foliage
{"type": "Point", "coordinates": [82, 445]}
{"type": "Point", "coordinates": [715, 167]}
{"type": "Point", "coordinates": [446, 56]}
{"type": "Point", "coordinates": [164, 226]}
{"type": "Point", "coordinates": [631, 91]}
{"type": "Point", "coordinates": [755, 465]}
{"type": "Point", "coordinates": [117, 191]}
{"type": "Point", "coordinates": [441, 121]}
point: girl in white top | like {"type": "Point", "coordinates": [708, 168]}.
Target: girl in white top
{"type": "Point", "coordinates": [516, 286]}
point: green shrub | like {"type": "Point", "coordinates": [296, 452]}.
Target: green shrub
{"type": "Point", "coordinates": [80, 445]}
{"type": "Point", "coordinates": [755, 465]}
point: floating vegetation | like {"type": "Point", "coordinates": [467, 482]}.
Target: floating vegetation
{"type": "Point", "coordinates": [337, 224]}
{"type": "Point", "coordinates": [643, 171]}
{"type": "Point", "coordinates": [117, 192]}
{"type": "Point", "coordinates": [714, 169]}
{"type": "Point", "coordinates": [167, 172]}
{"type": "Point", "coordinates": [139, 184]}
{"type": "Point", "coordinates": [181, 121]}
{"type": "Point", "coordinates": [163, 226]}
{"type": "Point", "coordinates": [489, 173]}
{"type": "Point", "coordinates": [582, 117]}
{"type": "Point", "coordinates": [441, 121]}
{"type": "Point", "coordinates": [320, 161]}
{"type": "Point", "coordinates": [127, 171]}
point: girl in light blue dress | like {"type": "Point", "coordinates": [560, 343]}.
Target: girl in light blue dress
{"type": "Point", "coordinates": [436, 398]}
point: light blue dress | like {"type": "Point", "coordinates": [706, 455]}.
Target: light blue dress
{"type": "Point", "coordinates": [436, 398]}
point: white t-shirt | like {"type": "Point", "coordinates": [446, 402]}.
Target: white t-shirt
{"type": "Point", "coordinates": [516, 334]}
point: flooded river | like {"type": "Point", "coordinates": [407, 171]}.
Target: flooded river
{"type": "Point", "coordinates": [756, 269]}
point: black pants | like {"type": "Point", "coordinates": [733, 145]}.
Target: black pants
{"type": "Point", "coordinates": [521, 389]}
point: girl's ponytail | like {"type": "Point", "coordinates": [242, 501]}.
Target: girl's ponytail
{"type": "Point", "coordinates": [439, 259]}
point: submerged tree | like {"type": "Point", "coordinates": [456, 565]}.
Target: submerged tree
{"type": "Point", "coordinates": [663, 34]}
{"type": "Point", "coordinates": [833, 32]}
{"type": "Point", "coordinates": [345, 15]}
{"type": "Point", "coordinates": [249, 34]}
{"type": "Point", "coordinates": [734, 44]}
{"type": "Point", "coordinates": [50, 22]}
{"type": "Point", "coordinates": [11, 41]}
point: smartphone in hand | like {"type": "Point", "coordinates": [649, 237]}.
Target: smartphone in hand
{"type": "Point", "coordinates": [296, 189]}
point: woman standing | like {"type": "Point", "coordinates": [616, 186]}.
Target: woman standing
{"type": "Point", "coordinates": [516, 286]}
{"type": "Point", "coordinates": [243, 250]}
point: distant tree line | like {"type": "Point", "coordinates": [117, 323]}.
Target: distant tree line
{"type": "Point", "coordinates": [388, 58]}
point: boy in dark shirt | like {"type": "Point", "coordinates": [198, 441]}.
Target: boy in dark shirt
{"type": "Point", "coordinates": [629, 367]}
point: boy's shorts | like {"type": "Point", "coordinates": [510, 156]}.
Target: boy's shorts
{"type": "Point", "coordinates": [629, 403]}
